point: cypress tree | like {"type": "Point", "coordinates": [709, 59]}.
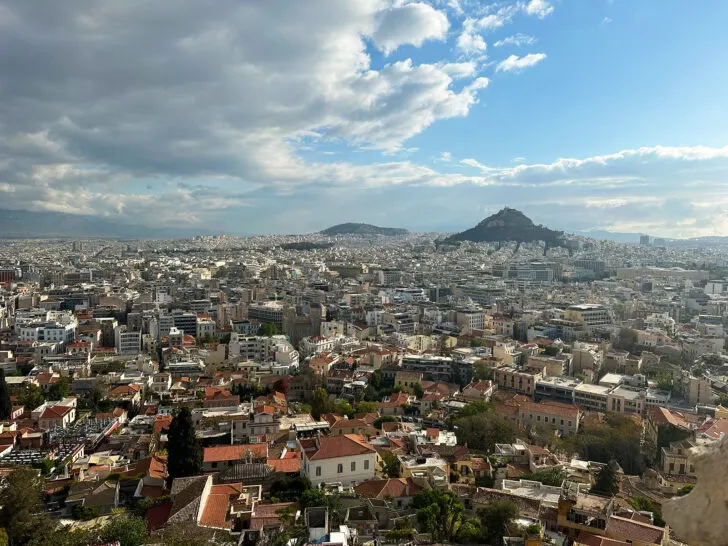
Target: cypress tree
{"type": "Point", "coordinates": [6, 405]}
{"type": "Point", "coordinates": [185, 450]}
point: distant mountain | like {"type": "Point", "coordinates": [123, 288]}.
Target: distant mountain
{"type": "Point", "coordinates": [20, 224]}
{"type": "Point", "coordinates": [363, 229]}
{"type": "Point", "coordinates": [509, 225]}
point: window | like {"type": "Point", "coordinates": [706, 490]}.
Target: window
{"type": "Point", "coordinates": [366, 464]}
{"type": "Point", "coordinates": [340, 468]}
{"type": "Point", "coordinates": [353, 466]}
{"type": "Point", "coordinates": [318, 470]}
{"type": "Point", "coordinates": [562, 422]}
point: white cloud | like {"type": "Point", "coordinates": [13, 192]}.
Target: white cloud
{"type": "Point", "coordinates": [514, 63]}
{"type": "Point", "coordinates": [411, 24]}
{"type": "Point", "coordinates": [539, 8]}
{"type": "Point", "coordinates": [516, 40]}
{"type": "Point", "coordinates": [446, 157]}
{"type": "Point", "coordinates": [606, 20]}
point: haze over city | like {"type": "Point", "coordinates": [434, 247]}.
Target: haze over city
{"type": "Point", "coordinates": [288, 117]}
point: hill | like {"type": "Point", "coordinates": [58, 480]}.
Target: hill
{"type": "Point", "coordinates": [509, 225]}
{"type": "Point", "coordinates": [22, 224]}
{"type": "Point", "coordinates": [363, 229]}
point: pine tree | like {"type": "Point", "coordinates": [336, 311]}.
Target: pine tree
{"type": "Point", "coordinates": [185, 450]}
{"type": "Point", "coordinates": [606, 482]}
{"type": "Point", "coordinates": [6, 405]}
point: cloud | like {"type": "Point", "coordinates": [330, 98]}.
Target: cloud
{"type": "Point", "coordinates": [606, 20]}
{"type": "Point", "coordinates": [409, 24]}
{"type": "Point", "coordinates": [539, 8]}
{"type": "Point", "coordinates": [225, 96]}
{"type": "Point", "coordinates": [446, 157]}
{"type": "Point", "coordinates": [514, 63]}
{"type": "Point", "coordinates": [516, 40]}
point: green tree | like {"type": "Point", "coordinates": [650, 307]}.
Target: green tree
{"type": "Point", "coordinates": [313, 497]}
{"type": "Point", "coordinates": [84, 513]}
{"type": "Point", "coordinates": [21, 513]}
{"type": "Point", "coordinates": [496, 518]}
{"type": "Point", "coordinates": [31, 396]}
{"type": "Point", "coordinates": [366, 407]}
{"type": "Point", "coordinates": [45, 466]}
{"type": "Point", "coordinates": [606, 481]}
{"type": "Point", "coordinates": [290, 489]}
{"type": "Point", "coordinates": [418, 391]}
{"type": "Point", "coordinates": [269, 329]}
{"type": "Point", "coordinates": [644, 504]}
{"type": "Point", "coordinates": [664, 381]}
{"type": "Point", "coordinates": [474, 408]}
{"type": "Point", "coordinates": [401, 531]}
{"type": "Point", "coordinates": [344, 408]}
{"type": "Point", "coordinates": [484, 430]}
{"type": "Point", "coordinates": [320, 403]}
{"type": "Point", "coordinates": [391, 466]}
{"type": "Point", "coordinates": [442, 516]}
{"type": "Point", "coordinates": [684, 490]}
{"type": "Point", "coordinates": [470, 532]}
{"type": "Point", "coordinates": [184, 449]}
{"type": "Point", "coordinates": [6, 405]}
{"type": "Point", "coordinates": [384, 419]}
{"type": "Point", "coordinates": [483, 371]}
{"type": "Point", "coordinates": [59, 390]}
{"type": "Point", "coordinates": [553, 476]}
{"type": "Point", "coordinates": [127, 530]}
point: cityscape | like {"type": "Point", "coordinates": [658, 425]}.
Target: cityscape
{"type": "Point", "coordinates": [363, 273]}
{"type": "Point", "coordinates": [336, 387]}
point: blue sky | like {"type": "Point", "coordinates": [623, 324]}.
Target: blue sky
{"type": "Point", "coordinates": [286, 117]}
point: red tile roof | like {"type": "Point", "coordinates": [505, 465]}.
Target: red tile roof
{"type": "Point", "coordinates": [234, 453]}
{"type": "Point", "coordinates": [286, 466]}
{"type": "Point", "coordinates": [393, 487]}
{"type": "Point", "coordinates": [635, 530]}
{"type": "Point", "coordinates": [331, 447]}
{"type": "Point", "coordinates": [157, 516]}
{"type": "Point", "coordinates": [217, 507]}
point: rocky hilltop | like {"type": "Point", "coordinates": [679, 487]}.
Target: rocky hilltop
{"type": "Point", "coordinates": [509, 225]}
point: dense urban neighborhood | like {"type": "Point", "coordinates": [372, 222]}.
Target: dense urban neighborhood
{"type": "Point", "coordinates": [509, 385]}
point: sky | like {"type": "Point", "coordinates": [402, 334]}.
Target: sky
{"type": "Point", "coordinates": [288, 116]}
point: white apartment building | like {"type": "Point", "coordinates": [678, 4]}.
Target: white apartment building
{"type": "Point", "coordinates": [316, 344]}
{"type": "Point", "coordinates": [127, 343]}
{"type": "Point", "coordinates": [345, 459]}
{"type": "Point", "coordinates": [52, 332]}
{"type": "Point", "coordinates": [205, 326]}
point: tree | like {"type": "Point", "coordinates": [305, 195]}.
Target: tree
{"type": "Point", "coordinates": [391, 466]}
{"type": "Point", "coordinates": [313, 497]}
{"type": "Point", "coordinates": [606, 482]}
{"type": "Point", "coordinates": [366, 407]}
{"type": "Point", "coordinates": [290, 489]}
{"type": "Point", "coordinates": [344, 408]}
{"type": "Point", "coordinates": [442, 516]}
{"type": "Point", "coordinates": [269, 329]}
{"type": "Point", "coordinates": [474, 408]}
{"type": "Point", "coordinates": [644, 504]}
{"type": "Point", "coordinates": [484, 430]}
{"type": "Point", "coordinates": [31, 396]}
{"type": "Point", "coordinates": [184, 451]}
{"type": "Point", "coordinates": [84, 513]}
{"type": "Point", "coordinates": [127, 530]}
{"type": "Point", "coordinates": [384, 419]}
{"type": "Point", "coordinates": [59, 390]}
{"type": "Point", "coordinates": [21, 514]}
{"type": "Point", "coordinates": [664, 381]}
{"type": "Point", "coordinates": [281, 385]}
{"type": "Point", "coordinates": [6, 405]}
{"type": "Point", "coordinates": [320, 403]}
{"type": "Point", "coordinates": [418, 391]}
{"type": "Point", "coordinates": [470, 532]}
{"type": "Point", "coordinates": [553, 476]}
{"type": "Point", "coordinates": [495, 518]}
{"type": "Point", "coordinates": [482, 371]}
{"type": "Point", "coordinates": [684, 490]}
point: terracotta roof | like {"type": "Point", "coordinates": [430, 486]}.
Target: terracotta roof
{"type": "Point", "coordinates": [665, 416]}
{"type": "Point", "coordinates": [346, 423]}
{"type": "Point", "coordinates": [718, 428]}
{"type": "Point", "coordinates": [216, 508]}
{"type": "Point", "coordinates": [393, 487]}
{"type": "Point", "coordinates": [588, 539]}
{"type": "Point", "coordinates": [557, 409]}
{"type": "Point", "coordinates": [156, 517]}
{"type": "Point", "coordinates": [635, 530]}
{"type": "Point", "coordinates": [234, 453]}
{"type": "Point", "coordinates": [331, 447]}
{"type": "Point", "coordinates": [285, 466]}
{"type": "Point", "coordinates": [162, 422]}
{"type": "Point", "coordinates": [56, 412]}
